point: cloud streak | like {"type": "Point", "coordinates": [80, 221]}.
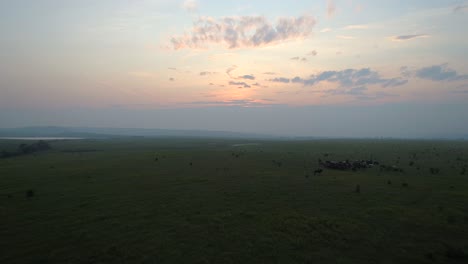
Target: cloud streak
{"type": "Point", "coordinates": [205, 73]}
{"type": "Point", "coordinates": [247, 77]}
{"type": "Point", "coordinates": [243, 32]}
{"type": "Point", "coordinates": [240, 84]}
{"type": "Point", "coordinates": [408, 37]}
{"type": "Point", "coordinates": [349, 78]}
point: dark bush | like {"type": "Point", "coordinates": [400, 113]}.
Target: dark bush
{"type": "Point", "coordinates": [29, 193]}
{"type": "Point", "coordinates": [455, 253]}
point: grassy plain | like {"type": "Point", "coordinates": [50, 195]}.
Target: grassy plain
{"type": "Point", "coordinates": [209, 201]}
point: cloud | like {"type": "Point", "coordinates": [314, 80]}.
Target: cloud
{"type": "Point", "coordinates": [205, 73]}
{"type": "Point", "coordinates": [405, 71]}
{"type": "Point", "coordinates": [269, 73]}
{"type": "Point", "coordinates": [230, 69]}
{"type": "Point", "coordinates": [325, 30]}
{"type": "Point", "coordinates": [243, 32]}
{"type": "Point", "coordinates": [247, 77]}
{"type": "Point", "coordinates": [172, 69]}
{"type": "Point", "coordinates": [299, 59]}
{"type": "Point", "coordinates": [440, 73]}
{"type": "Point", "coordinates": [460, 9]}
{"type": "Point", "coordinates": [241, 84]}
{"type": "Point", "coordinates": [312, 53]}
{"type": "Point", "coordinates": [190, 5]}
{"type": "Point", "coordinates": [408, 37]}
{"type": "Point", "coordinates": [280, 80]}
{"type": "Point", "coordinates": [348, 78]}
{"type": "Point", "coordinates": [171, 79]}
{"type": "Point", "coordinates": [331, 8]}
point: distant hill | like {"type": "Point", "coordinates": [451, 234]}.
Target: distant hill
{"type": "Point", "coordinates": [91, 132]}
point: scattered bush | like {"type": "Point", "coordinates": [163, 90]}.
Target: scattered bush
{"type": "Point", "coordinates": [358, 189]}
{"type": "Point", "coordinates": [30, 193]}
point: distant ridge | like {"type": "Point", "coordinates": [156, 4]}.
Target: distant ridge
{"type": "Point", "coordinates": [94, 132]}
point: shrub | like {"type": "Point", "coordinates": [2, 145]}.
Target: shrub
{"type": "Point", "coordinates": [30, 193]}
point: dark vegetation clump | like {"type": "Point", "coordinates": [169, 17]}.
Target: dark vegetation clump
{"type": "Point", "coordinates": [405, 184]}
{"type": "Point", "coordinates": [277, 163]}
{"type": "Point", "coordinates": [25, 149]}
{"type": "Point", "coordinates": [30, 193]}
{"type": "Point", "coordinates": [390, 168]}
{"type": "Point", "coordinates": [348, 165]}
{"type": "Point", "coordinates": [455, 253]}
{"type": "Point", "coordinates": [434, 171]}
{"type": "Point", "coordinates": [463, 171]}
{"type": "Point", "coordinates": [430, 256]}
{"type": "Point", "coordinates": [358, 189]}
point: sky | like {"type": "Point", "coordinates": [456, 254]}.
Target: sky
{"type": "Point", "coordinates": [338, 68]}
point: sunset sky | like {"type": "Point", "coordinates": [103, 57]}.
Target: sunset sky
{"type": "Point", "coordinates": [301, 68]}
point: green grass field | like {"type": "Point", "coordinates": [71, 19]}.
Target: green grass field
{"type": "Point", "coordinates": [209, 201]}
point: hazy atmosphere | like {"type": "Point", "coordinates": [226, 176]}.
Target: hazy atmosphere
{"type": "Point", "coordinates": [343, 68]}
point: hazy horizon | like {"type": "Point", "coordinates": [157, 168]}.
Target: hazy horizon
{"type": "Point", "coordinates": [324, 68]}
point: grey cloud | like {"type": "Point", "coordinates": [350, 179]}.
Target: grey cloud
{"type": "Point", "coordinates": [171, 79]}
{"type": "Point", "coordinates": [204, 73]}
{"type": "Point", "coordinates": [280, 80]}
{"type": "Point", "coordinates": [460, 8]}
{"type": "Point", "coordinates": [346, 78]}
{"type": "Point", "coordinates": [408, 37]}
{"type": "Point", "coordinates": [247, 77]}
{"type": "Point", "coordinates": [299, 59]}
{"type": "Point", "coordinates": [230, 69]}
{"type": "Point", "coordinates": [405, 71]}
{"type": "Point", "coordinates": [440, 73]}
{"type": "Point", "coordinates": [243, 32]}
{"type": "Point", "coordinates": [243, 84]}
{"type": "Point", "coordinates": [394, 82]}
{"type": "Point", "coordinates": [351, 91]}
{"type": "Point", "coordinates": [312, 53]}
